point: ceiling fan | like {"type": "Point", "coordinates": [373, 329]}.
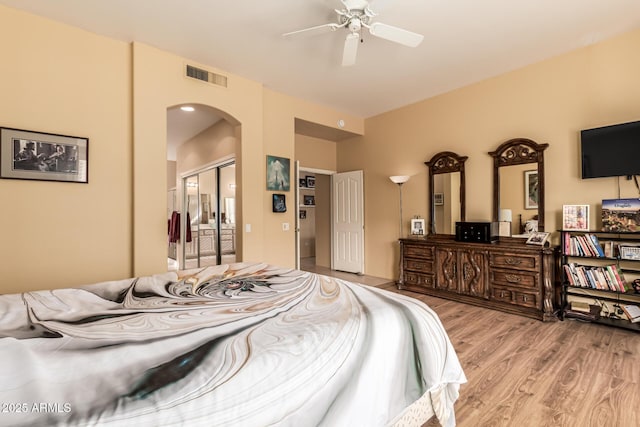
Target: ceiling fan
{"type": "Point", "coordinates": [356, 15]}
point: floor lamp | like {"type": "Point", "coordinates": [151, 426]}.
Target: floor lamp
{"type": "Point", "coordinates": [400, 179]}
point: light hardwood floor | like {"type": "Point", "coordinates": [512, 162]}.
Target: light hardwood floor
{"type": "Point", "coordinates": [526, 373]}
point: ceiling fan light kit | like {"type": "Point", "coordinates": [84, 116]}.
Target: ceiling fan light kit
{"type": "Point", "coordinates": [356, 15]}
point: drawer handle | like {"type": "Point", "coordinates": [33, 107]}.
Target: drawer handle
{"type": "Point", "coordinates": [513, 261]}
{"type": "Point", "coordinates": [512, 278]}
{"type": "Point", "coordinates": [524, 298]}
{"type": "Point", "coordinates": [501, 294]}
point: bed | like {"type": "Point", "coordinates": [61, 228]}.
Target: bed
{"type": "Point", "coordinates": [243, 344]}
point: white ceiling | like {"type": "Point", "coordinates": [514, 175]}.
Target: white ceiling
{"type": "Point", "coordinates": [465, 40]}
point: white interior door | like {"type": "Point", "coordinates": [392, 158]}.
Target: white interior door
{"type": "Point", "coordinates": [348, 222]}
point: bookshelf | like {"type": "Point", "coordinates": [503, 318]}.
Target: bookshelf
{"type": "Point", "coordinates": [598, 272]}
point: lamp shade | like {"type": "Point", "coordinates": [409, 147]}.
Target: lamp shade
{"type": "Point", "coordinates": [399, 179]}
{"type": "Point", "coordinates": [505, 215]}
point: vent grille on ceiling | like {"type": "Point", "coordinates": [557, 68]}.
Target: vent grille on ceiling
{"type": "Point", "coordinates": [206, 76]}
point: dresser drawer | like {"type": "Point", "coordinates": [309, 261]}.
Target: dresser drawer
{"type": "Point", "coordinates": [417, 279]}
{"type": "Point", "coordinates": [418, 251]}
{"type": "Point", "coordinates": [516, 261]}
{"type": "Point", "coordinates": [524, 299]}
{"type": "Point", "coordinates": [520, 279]}
{"type": "Point", "coordinates": [420, 265]}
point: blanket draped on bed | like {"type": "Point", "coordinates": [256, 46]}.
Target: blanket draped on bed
{"type": "Point", "coordinates": [233, 345]}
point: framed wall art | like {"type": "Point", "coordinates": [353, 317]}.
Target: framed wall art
{"type": "Point", "coordinates": [311, 181]}
{"type": "Point", "coordinates": [279, 203]}
{"type": "Point", "coordinates": [43, 156]}
{"type": "Point", "coordinates": [531, 189]}
{"type": "Point", "coordinates": [278, 175]}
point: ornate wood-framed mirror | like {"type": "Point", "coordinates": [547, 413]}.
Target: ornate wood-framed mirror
{"type": "Point", "coordinates": [449, 206]}
{"type": "Point", "coordinates": [530, 195]}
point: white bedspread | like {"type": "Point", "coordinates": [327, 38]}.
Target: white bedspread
{"type": "Point", "coordinates": [234, 345]}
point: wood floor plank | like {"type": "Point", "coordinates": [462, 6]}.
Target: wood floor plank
{"type": "Point", "coordinates": [526, 373]}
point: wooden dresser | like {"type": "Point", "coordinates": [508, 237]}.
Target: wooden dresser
{"type": "Point", "coordinates": [508, 275]}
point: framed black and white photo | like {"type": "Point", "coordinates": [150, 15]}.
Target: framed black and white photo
{"type": "Point", "coordinates": [303, 214]}
{"type": "Point", "coordinates": [43, 156]}
{"type": "Point", "coordinates": [438, 199]}
{"type": "Point", "coordinates": [311, 181]}
{"type": "Point", "coordinates": [279, 203]}
{"type": "Point", "coordinates": [538, 238]}
{"type": "Point", "coordinates": [309, 200]}
{"type": "Point", "coordinates": [417, 226]}
{"type": "Point", "coordinates": [302, 182]}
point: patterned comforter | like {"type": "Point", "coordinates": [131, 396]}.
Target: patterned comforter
{"type": "Point", "coordinates": [234, 345]}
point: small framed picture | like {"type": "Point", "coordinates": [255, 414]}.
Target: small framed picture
{"type": "Point", "coordinates": [43, 156]}
{"type": "Point", "coordinates": [531, 189]}
{"type": "Point", "coordinates": [279, 203]}
{"type": "Point", "coordinates": [309, 200]}
{"type": "Point", "coordinates": [417, 226]}
{"type": "Point", "coordinates": [575, 217]}
{"type": "Point", "coordinates": [311, 181]}
{"type": "Point", "coordinates": [538, 238]}
{"type": "Point", "coordinates": [302, 182]}
{"type": "Point", "coordinates": [303, 214]}
{"type": "Point", "coordinates": [438, 199]}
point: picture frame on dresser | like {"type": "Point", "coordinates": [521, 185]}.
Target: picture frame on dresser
{"type": "Point", "coordinates": [538, 238]}
{"type": "Point", "coordinates": [417, 226]}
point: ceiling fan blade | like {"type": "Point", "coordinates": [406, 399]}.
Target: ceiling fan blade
{"type": "Point", "coordinates": [396, 34]}
{"type": "Point", "coordinates": [317, 29]}
{"type": "Point", "coordinates": [350, 49]}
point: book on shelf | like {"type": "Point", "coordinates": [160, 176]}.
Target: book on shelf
{"type": "Point", "coordinates": [595, 243]}
{"type": "Point", "coordinates": [580, 306]}
{"type": "Point", "coordinates": [632, 312]}
{"type": "Point", "coordinates": [606, 278]}
{"type": "Point", "coordinates": [584, 245]}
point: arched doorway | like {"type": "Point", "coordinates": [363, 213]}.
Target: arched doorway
{"type": "Point", "coordinates": [202, 144]}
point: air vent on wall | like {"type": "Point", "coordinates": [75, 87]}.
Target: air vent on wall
{"type": "Point", "coordinates": [206, 76]}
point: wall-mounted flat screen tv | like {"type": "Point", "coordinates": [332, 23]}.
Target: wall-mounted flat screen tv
{"type": "Point", "coordinates": [611, 150]}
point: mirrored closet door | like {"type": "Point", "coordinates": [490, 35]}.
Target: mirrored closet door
{"type": "Point", "coordinates": [210, 223]}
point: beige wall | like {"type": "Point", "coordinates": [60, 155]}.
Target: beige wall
{"type": "Point", "coordinates": [215, 144]}
{"type": "Point", "coordinates": [62, 80]}
{"type": "Point", "coordinates": [548, 102]}
{"type": "Point", "coordinates": [171, 174]}
{"type": "Point", "coordinates": [65, 80]}
{"type": "Point", "coordinates": [316, 153]}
